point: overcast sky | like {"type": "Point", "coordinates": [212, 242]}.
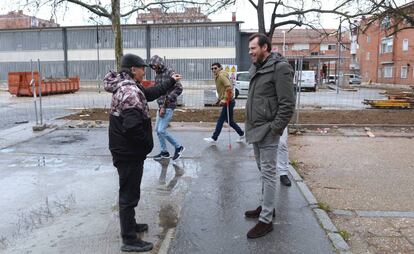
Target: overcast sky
{"type": "Point", "coordinates": [77, 15]}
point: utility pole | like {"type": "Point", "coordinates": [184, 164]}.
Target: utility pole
{"type": "Point", "coordinates": [339, 55]}
{"type": "Point", "coordinates": [98, 73]}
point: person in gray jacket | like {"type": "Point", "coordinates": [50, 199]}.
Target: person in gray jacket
{"type": "Point", "coordinates": [269, 108]}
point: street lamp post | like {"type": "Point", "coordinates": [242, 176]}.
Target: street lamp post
{"type": "Point", "coordinates": [98, 74]}
{"type": "Point", "coordinates": [97, 54]}
{"type": "Point", "coordinates": [284, 42]}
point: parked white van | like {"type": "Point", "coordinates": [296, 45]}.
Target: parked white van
{"type": "Point", "coordinates": [307, 80]}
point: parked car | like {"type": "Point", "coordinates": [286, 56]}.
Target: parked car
{"type": "Point", "coordinates": [242, 84]}
{"type": "Point", "coordinates": [353, 78]}
{"type": "Point", "coordinates": [307, 80]}
{"type": "Point", "coordinates": [331, 79]}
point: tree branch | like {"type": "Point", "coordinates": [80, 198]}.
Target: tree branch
{"type": "Point", "coordinates": [97, 9]}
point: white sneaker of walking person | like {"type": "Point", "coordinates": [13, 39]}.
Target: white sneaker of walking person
{"type": "Point", "coordinates": [241, 139]}
{"type": "Point", "coordinates": [211, 141]}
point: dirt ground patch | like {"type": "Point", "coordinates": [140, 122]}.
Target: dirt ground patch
{"type": "Point", "coordinates": [353, 173]}
{"type": "Point", "coordinates": [368, 116]}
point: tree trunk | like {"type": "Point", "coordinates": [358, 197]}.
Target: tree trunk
{"type": "Point", "coordinates": [260, 16]}
{"type": "Point", "coordinates": [116, 29]}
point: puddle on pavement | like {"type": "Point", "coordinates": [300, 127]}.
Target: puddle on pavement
{"type": "Point", "coordinates": [168, 217]}
{"type": "Point", "coordinates": [67, 139]}
{"type": "Point", "coordinates": [8, 150]}
{"type": "Point", "coordinates": [166, 184]}
{"type": "Point", "coordinates": [39, 161]}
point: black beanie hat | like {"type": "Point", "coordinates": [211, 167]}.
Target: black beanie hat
{"type": "Point", "coordinates": [131, 60]}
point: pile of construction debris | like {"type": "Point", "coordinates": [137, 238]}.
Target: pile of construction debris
{"type": "Point", "coordinates": [397, 99]}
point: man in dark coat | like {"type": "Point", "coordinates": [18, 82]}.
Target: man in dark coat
{"type": "Point", "coordinates": [130, 140]}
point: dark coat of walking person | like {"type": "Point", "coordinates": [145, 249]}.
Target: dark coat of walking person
{"type": "Point", "coordinates": [269, 108]}
{"type": "Point", "coordinates": [226, 101]}
{"type": "Point", "coordinates": [130, 140]}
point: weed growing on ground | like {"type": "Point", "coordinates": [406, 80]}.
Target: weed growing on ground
{"type": "Point", "coordinates": [324, 207]}
{"type": "Point", "coordinates": [344, 234]}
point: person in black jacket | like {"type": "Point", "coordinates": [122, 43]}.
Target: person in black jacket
{"type": "Point", "coordinates": [130, 140]}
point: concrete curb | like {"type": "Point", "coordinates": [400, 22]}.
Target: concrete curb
{"type": "Point", "coordinates": [310, 126]}
{"type": "Point", "coordinates": [326, 223]}
{"type": "Point", "coordinates": [165, 245]}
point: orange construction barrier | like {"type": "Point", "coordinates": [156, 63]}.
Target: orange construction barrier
{"type": "Point", "coordinates": [19, 84]}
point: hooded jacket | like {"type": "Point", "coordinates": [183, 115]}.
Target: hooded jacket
{"type": "Point", "coordinates": [271, 102]}
{"type": "Point", "coordinates": [130, 130]}
{"type": "Point", "coordinates": [169, 100]}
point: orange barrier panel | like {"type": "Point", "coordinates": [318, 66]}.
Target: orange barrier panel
{"type": "Point", "coordinates": [19, 84]}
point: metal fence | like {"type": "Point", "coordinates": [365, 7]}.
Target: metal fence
{"type": "Point", "coordinates": [196, 94]}
{"type": "Point", "coordinates": [88, 52]}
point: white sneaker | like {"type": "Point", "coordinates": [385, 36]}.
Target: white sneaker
{"type": "Point", "coordinates": [241, 139]}
{"type": "Point", "coordinates": [210, 141]}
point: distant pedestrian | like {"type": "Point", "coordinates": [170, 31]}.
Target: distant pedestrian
{"type": "Point", "coordinates": [130, 140]}
{"type": "Point", "coordinates": [269, 108]}
{"type": "Point", "coordinates": [166, 106]}
{"type": "Point", "coordinates": [226, 101]}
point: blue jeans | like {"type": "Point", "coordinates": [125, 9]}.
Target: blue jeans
{"type": "Point", "coordinates": [161, 129]}
{"type": "Point", "coordinates": [223, 118]}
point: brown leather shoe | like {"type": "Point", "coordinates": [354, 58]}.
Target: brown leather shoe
{"type": "Point", "coordinates": [261, 229]}
{"type": "Point", "coordinates": [256, 213]}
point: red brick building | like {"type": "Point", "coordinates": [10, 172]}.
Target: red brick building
{"type": "Point", "coordinates": [156, 15]}
{"type": "Point", "coordinates": [17, 19]}
{"type": "Point", "coordinates": [318, 48]}
{"type": "Point", "coordinates": [384, 57]}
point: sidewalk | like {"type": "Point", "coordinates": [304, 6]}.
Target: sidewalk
{"type": "Point", "coordinates": [60, 196]}
{"type": "Point", "coordinates": [366, 183]}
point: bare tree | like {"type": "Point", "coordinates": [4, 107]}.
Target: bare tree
{"type": "Point", "coordinates": [306, 12]}
{"type": "Point", "coordinates": [113, 11]}
{"type": "Point", "coordinates": [391, 16]}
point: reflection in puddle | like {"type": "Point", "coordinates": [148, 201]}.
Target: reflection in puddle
{"type": "Point", "coordinates": [39, 161]}
{"type": "Point", "coordinates": [178, 172]}
{"type": "Point", "coordinates": [168, 216]}
{"type": "Point", "coordinates": [8, 150]}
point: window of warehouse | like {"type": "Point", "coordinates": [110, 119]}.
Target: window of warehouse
{"type": "Point", "coordinates": [300, 46]}
{"type": "Point", "coordinates": [386, 45]}
{"type": "Point", "coordinates": [388, 72]}
{"type": "Point", "coordinates": [404, 70]}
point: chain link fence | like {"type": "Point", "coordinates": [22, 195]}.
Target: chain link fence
{"type": "Point", "coordinates": [197, 94]}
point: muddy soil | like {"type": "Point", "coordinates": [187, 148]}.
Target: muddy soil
{"type": "Point", "coordinates": [368, 116]}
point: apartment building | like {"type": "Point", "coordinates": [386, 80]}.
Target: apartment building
{"type": "Point", "coordinates": [157, 15]}
{"type": "Point", "coordinates": [322, 50]}
{"type": "Point", "coordinates": [386, 51]}
{"type": "Point", "coordinates": [16, 19]}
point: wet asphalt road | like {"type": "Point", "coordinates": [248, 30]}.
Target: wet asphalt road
{"type": "Point", "coordinates": [213, 212]}
{"type": "Point", "coordinates": [59, 195]}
